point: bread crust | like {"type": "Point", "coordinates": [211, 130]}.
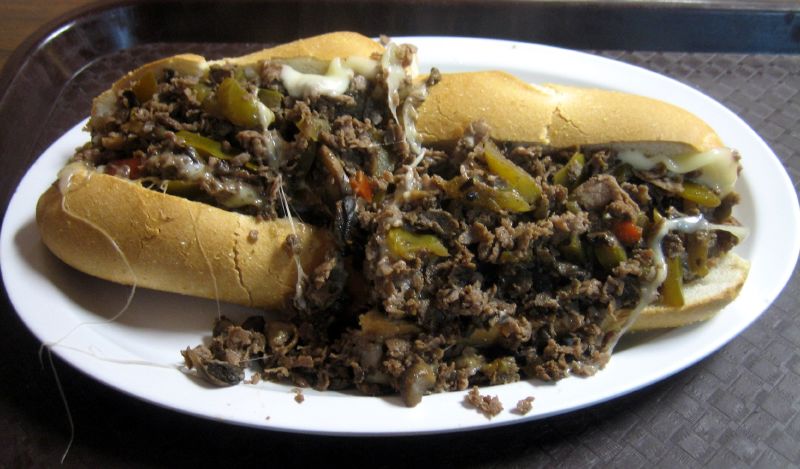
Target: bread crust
{"type": "Point", "coordinates": [118, 230]}
{"type": "Point", "coordinates": [558, 116]}
{"type": "Point", "coordinates": [324, 47]}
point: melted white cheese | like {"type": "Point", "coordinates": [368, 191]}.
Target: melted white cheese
{"type": "Point", "coordinates": [242, 195]}
{"type": "Point", "coordinates": [410, 131]}
{"type": "Point", "coordinates": [334, 82]}
{"type": "Point", "coordinates": [66, 174]}
{"type": "Point", "coordinates": [301, 85]}
{"type": "Point", "coordinates": [339, 74]}
{"type": "Point", "coordinates": [193, 170]}
{"type": "Point", "coordinates": [393, 74]}
{"type": "Point", "coordinates": [718, 168]}
{"type": "Point", "coordinates": [362, 66]}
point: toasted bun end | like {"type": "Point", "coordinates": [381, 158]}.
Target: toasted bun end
{"type": "Point", "coordinates": [703, 298]}
{"type": "Point", "coordinates": [117, 230]}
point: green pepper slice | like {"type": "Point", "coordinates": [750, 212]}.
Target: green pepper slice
{"type": "Point", "coordinates": [672, 288]}
{"type": "Point", "coordinates": [608, 251]}
{"type": "Point", "coordinates": [574, 250]}
{"type": "Point", "coordinates": [186, 189]}
{"type": "Point", "coordinates": [201, 92]}
{"type": "Point", "coordinates": [204, 145]}
{"type": "Point", "coordinates": [481, 195]}
{"type": "Point", "coordinates": [146, 87]}
{"type": "Point", "coordinates": [517, 178]}
{"type": "Point", "coordinates": [570, 174]}
{"type": "Point", "coordinates": [700, 195]}
{"type": "Point", "coordinates": [236, 104]}
{"type": "Point", "coordinates": [207, 147]}
{"type": "Point", "coordinates": [407, 245]}
{"type": "Point", "coordinates": [573, 206]}
{"type": "Point", "coordinates": [508, 200]}
{"type": "Point", "coordinates": [271, 98]}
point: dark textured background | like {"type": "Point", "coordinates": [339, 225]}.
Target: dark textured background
{"type": "Point", "coordinates": [738, 408]}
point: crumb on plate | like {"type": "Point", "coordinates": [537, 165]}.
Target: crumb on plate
{"type": "Point", "coordinates": [489, 406]}
{"type": "Point", "coordinates": [524, 406]}
{"type": "Point", "coordinates": [298, 395]}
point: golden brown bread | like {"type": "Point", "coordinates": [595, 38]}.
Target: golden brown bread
{"type": "Point", "coordinates": [172, 244]}
{"type": "Point", "coordinates": [558, 116]}
{"type": "Point", "coordinates": [186, 247]}
{"type": "Point", "coordinates": [324, 47]}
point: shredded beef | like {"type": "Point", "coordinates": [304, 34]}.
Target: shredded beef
{"type": "Point", "coordinates": [660, 178]}
{"type": "Point", "coordinates": [603, 191]}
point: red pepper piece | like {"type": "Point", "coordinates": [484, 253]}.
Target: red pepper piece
{"type": "Point", "coordinates": [135, 167]}
{"type": "Point", "coordinates": [362, 186]}
{"type": "Point", "coordinates": [627, 232]}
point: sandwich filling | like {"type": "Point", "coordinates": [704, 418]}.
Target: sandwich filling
{"type": "Point", "coordinates": [484, 264]}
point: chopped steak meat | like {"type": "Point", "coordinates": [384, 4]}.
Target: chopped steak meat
{"type": "Point", "coordinates": [524, 405]}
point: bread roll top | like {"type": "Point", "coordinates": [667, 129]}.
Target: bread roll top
{"type": "Point", "coordinates": [558, 116]}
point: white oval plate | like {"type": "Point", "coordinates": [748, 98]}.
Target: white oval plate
{"type": "Point", "coordinates": [138, 353]}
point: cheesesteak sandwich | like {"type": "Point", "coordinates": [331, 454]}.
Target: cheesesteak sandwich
{"type": "Point", "coordinates": [415, 234]}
